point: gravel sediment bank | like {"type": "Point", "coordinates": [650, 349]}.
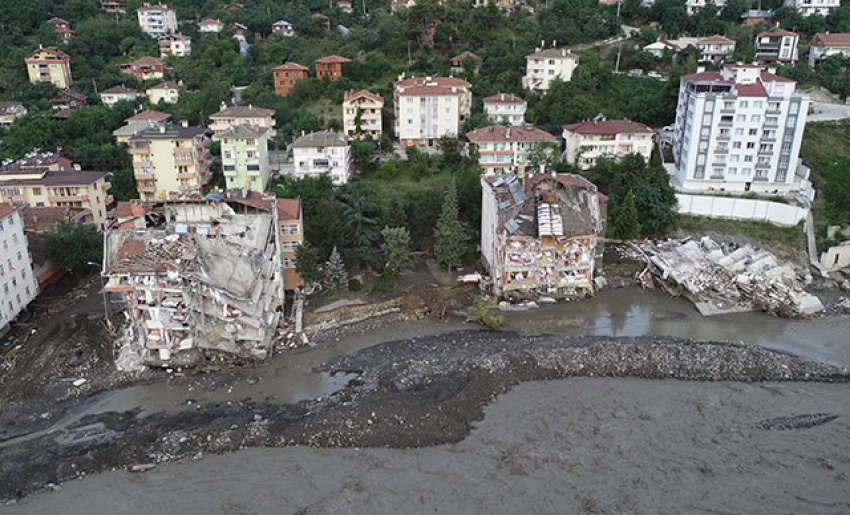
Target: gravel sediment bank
{"type": "Point", "coordinates": [417, 392]}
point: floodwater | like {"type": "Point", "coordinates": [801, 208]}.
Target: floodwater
{"type": "Point", "coordinates": [568, 446]}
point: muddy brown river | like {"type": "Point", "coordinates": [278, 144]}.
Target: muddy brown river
{"type": "Point", "coordinates": [583, 445]}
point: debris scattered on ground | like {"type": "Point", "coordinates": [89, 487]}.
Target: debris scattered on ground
{"type": "Point", "coordinates": [796, 422]}
{"type": "Point", "coordinates": [724, 279]}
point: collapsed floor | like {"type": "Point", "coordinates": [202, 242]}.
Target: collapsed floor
{"type": "Point", "coordinates": [721, 279]}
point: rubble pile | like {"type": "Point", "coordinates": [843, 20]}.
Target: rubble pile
{"type": "Point", "coordinates": [724, 279]}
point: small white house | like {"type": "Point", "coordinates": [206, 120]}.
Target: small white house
{"type": "Point", "coordinates": [110, 97]}
{"type": "Point", "coordinates": [323, 152]}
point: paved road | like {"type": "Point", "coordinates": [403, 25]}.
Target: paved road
{"type": "Point", "coordinates": [823, 112]}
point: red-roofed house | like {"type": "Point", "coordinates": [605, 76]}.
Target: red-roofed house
{"type": "Point", "coordinates": [457, 62]}
{"type": "Point", "coordinates": [290, 225]}
{"type": "Point", "coordinates": [416, 101]}
{"type": "Point", "coordinates": [822, 46]}
{"type": "Point", "coordinates": [715, 48]}
{"type": "Point", "coordinates": [588, 141]}
{"type": "Point", "coordinates": [739, 129]}
{"type": "Point", "coordinates": [777, 45]}
{"type": "Point", "coordinates": [361, 114]}
{"type": "Point", "coordinates": [61, 28]}
{"type": "Point", "coordinates": [144, 68]}
{"type": "Point", "coordinates": [330, 66]}
{"type": "Point", "coordinates": [508, 149]}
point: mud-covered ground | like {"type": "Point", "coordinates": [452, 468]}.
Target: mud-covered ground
{"type": "Point", "coordinates": [419, 392]}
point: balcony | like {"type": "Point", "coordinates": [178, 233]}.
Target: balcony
{"type": "Point", "coordinates": [206, 178]}
{"type": "Point", "coordinates": [139, 151]}
{"type": "Point", "coordinates": [760, 178]}
{"type": "Point", "coordinates": [139, 174]}
{"type": "Point", "coordinates": [186, 175]}
{"type": "Point", "coordinates": [146, 189]}
{"type": "Point", "coordinates": [109, 200]}
{"type": "Point", "coordinates": [68, 198]}
{"type": "Point", "coordinates": [184, 159]}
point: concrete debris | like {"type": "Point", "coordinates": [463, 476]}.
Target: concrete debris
{"type": "Point", "coordinates": [720, 279]}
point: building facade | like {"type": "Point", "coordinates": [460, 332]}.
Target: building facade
{"type": "Point", "coordinates": [210, 25]}
{"type": "Point", "coordinates": [286, 75]}
{"type": "Point", "coordinates": [361, 114]}
{"type": "Point", "coordinates": [157, 20]}
{"type": "Point", "coordinates": [61, 28]}
{"type": "Point", "coordinates": [822, 46]}
{"type": "Point", "coordinates": [428, 108]}
{"type": "Point", "coordinates": [324, 152]}
{"type": "Point", "coordinates": [822, 7]}
{"type": "Point", "coordinates": [170, 159]}
{"type": "Point", "coordinates": [457, 62]}
{"type": "Point", "coordinates": [738, 129]}
{"type": "Point", "coordinates": [693, 6]}
{"type": "Point", "coordinates": [544, 65]}
{"type": "Point", "coordinates": [539, 236]}
{"type": "Point", "coordinates": [110, 97]}
{"type": "Point", "coordinates": [505, 108]}
{"type": "Point", "coordinates": [512, 149]}
{"type": "Point", "coordinates": [586, 142]}
{"type": "Point", "coordinates": [283, 28]}
{"type": "Point", "coordinates": [176, 44]}
{"type": "Point", "coordinates": [168, 92]}
{"type": "Point", "coordinates": [49, 65]}
{"type": "Point", "coordinates": [223, 293]}
{"type": "Point", "coordinates": [715, 48]}
{"type": "Point", "coordinates": [245, 157]}
{"type": "Point", "coordinates": [19, 283]}
{"type": "Point", "coordinates": [85, 193]}
{"type": "Point", "coordinates": [144, 68]}
{"type": "Point", "coordinates": [290, 222]}
{"type": "Point", "coordinates": [777, 46]}
{"type": "Point", "coordinates": [330, 67]}
{"type": "Point", "coordinates": [242, 115]}
{"type": "Point", "coordinates": [11, 111]}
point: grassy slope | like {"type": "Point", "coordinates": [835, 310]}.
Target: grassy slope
{"type": "Point", "coordinates": [826, 150]}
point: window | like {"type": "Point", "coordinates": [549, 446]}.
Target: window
{"type": "Point", "coordinates": [1, 226]}
{"type": "Point", "coordinates": [756, 118]}
{"type": "Point", "coordinates": [6, 288]}
{"type": "Point", "coordinates": [739, 131]}
{"type": "Point", "coordinates": [728, 104]}
{"type": "Point", "coordinates": [751, 144]}
{"type": "Point", "coordinates": [227, 154]}
{"type": "Point", "coordinates": [733, 171]}
{"type": "Point", "coordinates": [288, 263]}
{"type": "Point", "coordinates": [726, 119]}
{"type": "Point", "coordinates": [748, 159]}
{"type": "Point", "coordinates": [292, 229]}
{"type": "Point", "coordinates": [744, 104]}
{"type": "Point", "coordinates": [289, 246]}
{"type": "Point", "coordinates": [736, 144]}
{"type": "Point", "coordinates": [758, 104]}
{"type": "Point", "coordinates": [734, 158]}
{"type": "Point", "coordinates": [741, 118]}
{"type": "Point", "coordinates": [36, 191]}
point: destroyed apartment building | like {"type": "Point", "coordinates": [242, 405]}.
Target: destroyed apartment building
{"type": "Point", "coordinates": [721, 278]}
{"type": "Point", "coordinates": [197, 276]}
{"type": "Point", "coordinates": [539, 236]}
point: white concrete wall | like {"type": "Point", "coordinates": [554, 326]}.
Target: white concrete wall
{"type": "Point", "coordinates": [836, 258]}
{"type": "Point", "coordinates": [741, 209]}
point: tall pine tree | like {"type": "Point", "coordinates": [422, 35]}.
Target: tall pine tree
{"type": "Point", "coordinates": [626, 225]}
{"type": "Point", "coordinates": [335, 275]}
{"type": "Point", "coordinates": [449, 236]}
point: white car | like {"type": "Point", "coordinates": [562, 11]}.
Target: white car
{"type": "Point", "coordinates": [654, 75]}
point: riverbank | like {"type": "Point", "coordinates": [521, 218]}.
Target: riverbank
{"type": "Point", "coordinates": [416, 392]}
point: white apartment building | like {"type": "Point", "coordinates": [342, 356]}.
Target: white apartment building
{"type": "Point", "coordinates": [822, 46]}
{"type": "Point", "coordinates": [715, 48]}
{"type": "Point", "coordinates": [738, 129]}
{"type": "Point", "coordinates": [777, 45]}
{"type": "Point", "coordinates": [157, 20]}
{"type": "Point", "coordinates": [361, 114]}
{"type": "Point", "coordinates": [428, 108]}
{"type": "Point", "coordinates": [822, 7]}
{"type": "Point", "coordinates": [693, 6]}
{"type": "Point", "coordinates": [323, 152]}
{"type": "Point", "coordinates": [245, 157]}
{"type": "Point", "coordinates": [19, 283]}
{"type": "Point", "coordinates": [544, 65]}
{"type": "Point", "coordinates": [505, 108]}
{"type": "Point", "coordinates": [586, 142]}
{"type": "Point", "coordinates": [177, 45]}
{"type": "Point", "coordinates": [506, 149]}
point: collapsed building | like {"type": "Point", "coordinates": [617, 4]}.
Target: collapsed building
{"type": "Point", "coordinates": [539, 235]}
{"type": "Point", "coordinates": [721, 279]}
{"type": "Point", "coordinates": [197, 276]}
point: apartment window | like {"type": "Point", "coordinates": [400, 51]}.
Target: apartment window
{"type": "Point", "coordinates": [744, 104]}
{"type": "Point", "coordinates": [704, 132]}
{"type": "Point", "coordinates": [1, 226]}
{"type": "Point", "coordinates": [5, 245]}
{"type": "Point", "coordinates": [14, 239]}
{"type": "Point", "coordinates": [288, 263]}
{"type": "Point", "coordinates": [766, 147]}
{"type": "Point", "coordinates": [722, 146]}
{"type": "Point", "coordinates": [36, 191]}
{"type": "Point", "coordinates": [14, 282]}
{"type": "Point", "coordinates": [758, 104]}
{"type": "Point", "coordinates": [734, 158]}
{"type": "Point", "coordinates": [726, 119]}
{"type": "Point", "coordinates": [724, 132]}
{"type": "Point", "coordinates": [699, 173]}
{"type": "Point", "coordinates": [253, 168]}
{"type": "Point", "coordinates": [728, 104]}
{"type": "Point", "coordinates": [756, 118]}
{"type": "Point", "coordinates": [794, 109]}
{"type": "Point", "coordinates": [736, 144]}
{"type": "Point", "coordinates": [748, 159]}
{"type": "Point", "coordinates": [739, 131]}
{"type": "Point", "coordinates": [289, 230]}
{"type": "Point", "coordinates": [742, 118]}
{"type": "Point", "coordinates": [19, 255]}
{"type": "Point", "coordinates": [718, 172]}
{"type": "Point", "coordinates": [786, 147]}
{"type": "Point", "coordinates": [6, 288]}
{"type": "Point", "coordinates": [289, 246]}
{"type": "Point", "coordinates": [733, 171]}
{"type": "Point", "coordinates": [251, 154]}
{"type": "Point", "coordinates": [18, 298]}
{"type": "Point", "coordinates": [227, 154]}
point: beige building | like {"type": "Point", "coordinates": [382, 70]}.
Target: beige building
{"type": "Point", "coordinates": [539, 235]}
{"type": "Point", "coordinates": [137, 123]}
{"type": "Point", "coordinates": [170, 159]}
{"type": "Point", "coordinates": [11, 111]}
{"type": "Point", "coordinates": [168, 92]}
{"type": "Point", "coordinates": [510, 149]}
{"type": "Point", "coordinates": [544, 65]}
{"type": "Point", "coordinates": [361, 114]}
{"type": "Point", "coordinates": [84, 192]}
{"type": "Point", "coordinates": [49, 65]}
{"type": "Point", "coordinates": [242, 115]}
{"type": "Point", "coordinates": [505, 108]}
{"type": "Point", "coordinates": [428, 108]}
{"type": "Point", "coordinates": [588, 141]}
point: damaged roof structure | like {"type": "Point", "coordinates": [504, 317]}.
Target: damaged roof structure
{"type": "Point", "coordinates": [539, 235]}
{"type": "Point", "coordinates": [197, 276]}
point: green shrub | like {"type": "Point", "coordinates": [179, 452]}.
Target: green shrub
{"type": "Point", "coordinates": [482, 313]}
{"type": "Point", "coordinates": [354, 285]}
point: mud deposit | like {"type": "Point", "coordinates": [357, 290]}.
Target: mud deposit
{"type": "Point", "coordinates": [412, 393]}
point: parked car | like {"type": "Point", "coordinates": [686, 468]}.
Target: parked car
{"type": "Point", "coordinates": [654, 75]}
